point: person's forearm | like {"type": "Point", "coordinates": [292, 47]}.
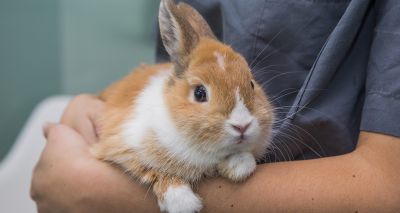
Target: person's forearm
{"type": "Point", "coordinates": [106, 189]}
{"type": "Point", "coordinates": [330, 184]}
{"type": "Point", "coordinates": [348, 182]}
{"type": "Point", "coordinates": [322, 184]}
{"type": "Point", "coordinates": [367, 179]}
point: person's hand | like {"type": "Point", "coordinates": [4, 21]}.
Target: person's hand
{"type": "Point", "coordinates": [59, 165]}
{"type": "Point", "coordinates": [82, 114]}
{"type": "Point", "coordinates": [68, 179]}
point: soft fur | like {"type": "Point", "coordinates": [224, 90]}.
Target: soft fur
{"type": "Point", "coordinates": [154, 129]}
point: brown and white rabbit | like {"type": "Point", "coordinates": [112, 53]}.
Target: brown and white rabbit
{"type": "Point", "coordinates": [169, 125]}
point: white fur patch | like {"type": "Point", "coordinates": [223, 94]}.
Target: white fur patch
{"type": "Point", "coordinates": [150, 102]}
{"type": "Point", "coordinates": [240, 165]}
{"type": "Point", "coordinates": [220, 59]}
{"type": "Point", "coordinates": [241, 116]}
{"type": "Point", "coordinates": [180, 199]}
{"type": "Point", "coordinates": [151, 114]}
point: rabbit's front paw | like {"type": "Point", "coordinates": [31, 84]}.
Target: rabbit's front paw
{"type": "Point", "coordinates": [237, 167]}
{"type": "Point", "coordinates": [180, 199]}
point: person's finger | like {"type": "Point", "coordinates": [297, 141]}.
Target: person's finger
{"type": "Point", "coordinates": [94, 116]}
{"type": "Point", "coordinates": [87, 129]}
{"type": "Point", "coordinates": [82, 115]}
{"type": "Point", "coordinates": [65, 138]}
{"type": "Point", "coordinates": [46, 128]}
{"type": "Point", "coordinates": [84, 126]}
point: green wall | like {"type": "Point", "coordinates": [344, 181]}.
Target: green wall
{"type": "Point", "coordinates": [50, 47]}
{"type": "Point", "coordinates": [29, 54]}
{"type": "Point", "coordinates": [103, 40]}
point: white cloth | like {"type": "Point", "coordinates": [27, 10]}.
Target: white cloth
{"type": "Point", "coordinates": [16, 168]}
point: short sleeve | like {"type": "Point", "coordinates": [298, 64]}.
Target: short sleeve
{"type": "Point", "coordinates": [381, 111]}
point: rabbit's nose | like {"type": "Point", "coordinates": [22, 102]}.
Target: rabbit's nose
{"type": "Point", "coordinates": [241, 128]}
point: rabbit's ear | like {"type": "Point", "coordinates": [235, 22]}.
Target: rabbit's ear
{"type": "Point", "coordinates": [181, 28]}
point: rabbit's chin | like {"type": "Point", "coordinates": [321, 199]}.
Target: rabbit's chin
{"type": "Point", "coordinates": [236, 145]}
{"type": "Point", "coordinates": [218, 150]}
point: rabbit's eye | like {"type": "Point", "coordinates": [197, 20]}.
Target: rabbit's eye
{"type": "Point", "coordinates": [252, 84]}
{"type": "Point", "coordinates": [200, 93]}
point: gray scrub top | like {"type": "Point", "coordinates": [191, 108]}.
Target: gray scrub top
{"type": "Point", "coordinates": [330, 67]}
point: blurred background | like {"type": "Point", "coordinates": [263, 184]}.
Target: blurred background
{"type": "Point", "coordinates": [51, 47]}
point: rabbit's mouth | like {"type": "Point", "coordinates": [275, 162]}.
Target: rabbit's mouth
{"type": "Point", "coordinates": [241, 139]}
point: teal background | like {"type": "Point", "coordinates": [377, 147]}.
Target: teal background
{"type": "Point", "coordinates": [50, 47]}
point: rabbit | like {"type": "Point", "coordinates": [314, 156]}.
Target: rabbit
{"type": "Point", "coordinates": [202, 114]}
